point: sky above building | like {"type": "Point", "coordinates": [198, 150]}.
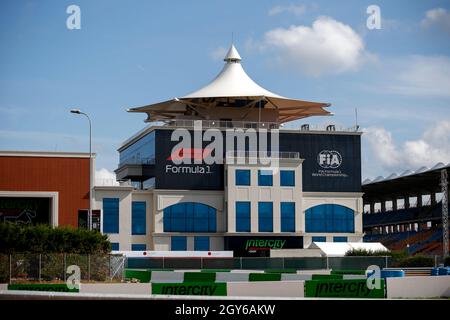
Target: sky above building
{"type": "Point", "coordinates": [133, 53]}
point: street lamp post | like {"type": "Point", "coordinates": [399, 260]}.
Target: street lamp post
{"type": "Point", "coordinates": [77, 111]}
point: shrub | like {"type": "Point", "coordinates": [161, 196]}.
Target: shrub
{"type": "Point", "coordinates": [415, 261]}
{"type": "Point", "coordinates": [45, 239]}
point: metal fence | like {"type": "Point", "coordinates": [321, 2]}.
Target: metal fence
{"type": "Point", "coordinates": [53, 267]}
{"type": "Point", "coordinates": [260, 263]}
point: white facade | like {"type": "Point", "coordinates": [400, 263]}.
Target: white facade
{"type": "Point", "coordinates": [224, 204]}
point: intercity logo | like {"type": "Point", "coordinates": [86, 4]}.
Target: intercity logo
{"type": "Point", "coordinates": [260, 244]}
{"type": "Point", "coordinates": [329, 159]}
{"type": "Point", "coordinates": [189, 289]}
{"type": "Point", "coordinates": [351, 288]}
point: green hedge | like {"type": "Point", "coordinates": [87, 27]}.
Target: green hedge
{"type": "Point", "coordinates": [415, 261]}
{"type": "Point", "coordinates": [15, 238]}
{"type": "Point", "coordinates": [143, 276]}
{"type": "Point", "coordinates": [264, 277]}
{"type": "Point", "coordinates": [346, 272]}
{"type": "Point", "coordinates": [327, 277]}
{"type": "Point", "coordinates": [199, 277]}
{"type": "Point", "coordinates": [366, 253]}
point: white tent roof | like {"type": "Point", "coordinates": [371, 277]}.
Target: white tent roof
{"type": "Point", "coordinates": [338, 249]}
{"type": "Point", "coordinates": [232, 82]}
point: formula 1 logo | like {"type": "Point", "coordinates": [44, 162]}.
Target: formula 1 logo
{"type": "Point", "coordinates": [329, 159]}
{"type": "Point", "coordinates": [189, 153]}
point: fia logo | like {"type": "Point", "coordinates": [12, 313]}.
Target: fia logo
{"type": "Point", "coordinates": [329, 159]}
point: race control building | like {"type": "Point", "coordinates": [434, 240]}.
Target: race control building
{"type": "Point", "coordinates": [216, 170]}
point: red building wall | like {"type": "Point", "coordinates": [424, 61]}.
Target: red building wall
{"type": "Point", "coordinates": [69, 176]}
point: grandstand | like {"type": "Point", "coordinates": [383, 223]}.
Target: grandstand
{"type": "Point", "coordinates": [405, 211]}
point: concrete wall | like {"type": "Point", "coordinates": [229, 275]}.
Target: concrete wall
{"type": "Point", "coordinates": [266, 289]}
{"type": "Point", "coordinates": [255, 193]}
{"type": "Point", "coordinates": [418, 287]}
{"type": "Point", "coordinates": [119, 288]}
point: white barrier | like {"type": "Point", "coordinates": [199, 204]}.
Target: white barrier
{"type": "Point", "coordinates": [231, 277]}
{"type": "Point", "coordinates": [167, 276]}
{"type": "Point", "coordinates": [354, 277]}
{"type": "Point", "coordinates": [317, 271]}
{"type": "Point", "coordinates": [3, 286]}
{"type": "Point", "coordinates": [295, 277]}
{"type": "Point", "coordinates": [266, 289]}
{"type": "Point", "coordinates": [418, 287]}
{"type": "Point", "coordinates": [116, 288]}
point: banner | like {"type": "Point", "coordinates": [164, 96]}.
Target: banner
{"type": "Point", "coordinates": [342, 289]}
{"type": "Point", "coordinates": [190, 289]}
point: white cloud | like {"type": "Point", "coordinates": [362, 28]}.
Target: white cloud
{"type": "Point", "coordinates": [295, 9]}
{"type": "Point", "coordinates": [327, 47]}
{"type": "Point", "coordinates": [437, 18]}
{"type": "Point", "coordinates": [105, 177]}
{"type": "Point", "coordinates": [218, 53]}
{"type": "Point", "coordinates": [431, 148]}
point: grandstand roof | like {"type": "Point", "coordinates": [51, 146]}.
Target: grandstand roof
{"type": "Point", "coordinates": [409, 183]}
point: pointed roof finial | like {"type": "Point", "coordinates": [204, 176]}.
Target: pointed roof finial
{"type": "Point", "coordinates": [232, 55]}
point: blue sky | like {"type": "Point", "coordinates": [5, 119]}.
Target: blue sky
{"type": "Point", "coordinates": [134, 53]}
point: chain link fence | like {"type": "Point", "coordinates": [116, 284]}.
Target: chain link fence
{"type": "Point", "coordinates": [16, 268]}
{"type": "Point", "coordinates": [259, 263]}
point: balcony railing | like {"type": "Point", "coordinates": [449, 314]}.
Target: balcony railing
{"type": "Point", "coordinates": [263, 154]}
{"type": "Point", "coordinates": [134, 160]}
{"type": "Point", "coordinates": [222, 124]}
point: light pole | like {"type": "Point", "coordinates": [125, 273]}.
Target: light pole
{"type": "Point", "coordinates": [77, 111]}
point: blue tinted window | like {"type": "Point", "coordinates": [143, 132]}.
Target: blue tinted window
{"type": "Point", "coordinates": [287, 216]}
{"type": "Point", "coordinates": [265, 178]}
{"type": "Point", "coordinates": [329, 218]}
{"type": "Point", "coordinates": [340, 239]}
{"type": "Point", "coordinates": [287, 178]}
{"type": "Point", "coordinates": [189, 217]}
{"type": "Point", "coordinates": [265, 217]}
{"type": "Point", "coordinates": [201, 243]}
{"type": "Point", "coordinates": [110, 215]}
{"type": "Point", "coordinates": [140, 152]}
{"type": "Point", "coordinates": [138, 221]}
{"type": "Point", "coordinates": [114, 246]}
{"type": "Point", "coordinates": [319, 239]}
{"type": "Point", "coordinates": [178, 243]}
{"type": "Point", "coordinates": [138, 247]}
{"type": "Point", "coordinates": [242, 216]}
{"type": "Point", "coordinates": [242, 177]}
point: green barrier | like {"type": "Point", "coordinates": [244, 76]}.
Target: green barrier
{"type": "Point", "coordinates": [215, 270]}
{"type": "Point", "coordinates": [264, 277]}
{"type": "Point", "coordinates": [56, 287]}
{"type": "Point", "coordinates": [190, 288]}
{"type": "Point", "coordinates": [327, 277]}
{"type": "Point", "coordinates": [342, 289]}
{"type": "Point", "coordinates": [143, 276]}
{"type": "Point", "coordinates": [199, 277]}
{"type": "Point", "coordinates": [347, 272]}
{"type": "Point", "coordinates": [280, 271]}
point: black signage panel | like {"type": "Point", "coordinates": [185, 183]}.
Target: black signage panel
{"type": "Point", "coordinates": [260, 246]}
{"type": "Point", "coordinates": [169, 175]}
{"type": "Point", "coordinates": [25, 210]}
{"type": "Point", "coordinates": [332, 162]}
